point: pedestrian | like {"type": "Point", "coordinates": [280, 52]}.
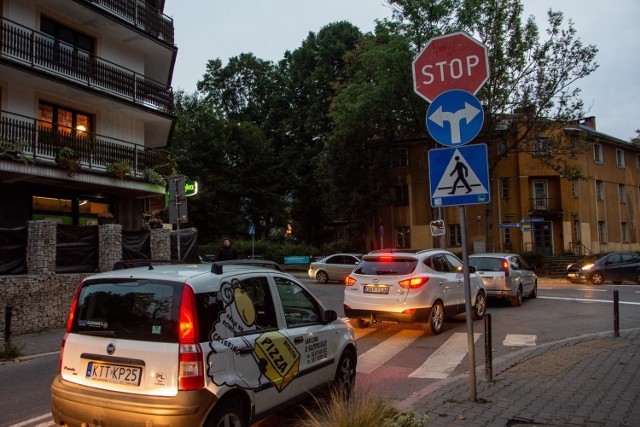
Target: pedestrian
{"type": "Point", "coordinates": [227, 252]}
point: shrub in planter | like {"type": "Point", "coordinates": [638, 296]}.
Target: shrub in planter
{"type": "Point", "coordinates": [67, 159]}
{"type": "Point", "coordinates": [120, 170]}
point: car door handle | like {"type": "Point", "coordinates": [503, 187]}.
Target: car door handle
{"type": "Point", "coordinates": [442, 282]}
{"type": "Point", "coordinates": [298, 340]}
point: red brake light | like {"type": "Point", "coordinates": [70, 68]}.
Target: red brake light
{"type": "Point", "coordinates": [349, 281]}
{"type": "Point", "coordinates": [191, 370]}
{"type": "Point", "coordinates": [386, 258]}
{"type": "Point", "coordinates": [414, 283]}
{"type": "Point", "coordinates": [72, 313]}
{"type": "Point", "coordinates": [505, 267]}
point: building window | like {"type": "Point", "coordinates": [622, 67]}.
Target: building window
{"type": "Point", "coordinates": [62, 120]}
{"type": "Point", "coordinates": [619, 158]}
{"type": "Point", "coordinates": [576, 230]}
{"type": "Point", "coordinates": [401, 195]}
{"type": "Point", "coordinates": [624, 232]}
{"type": "Point", "coordinates": [399, 158]}
{"type": "Point", "coordinates": [403, 237]}
{"type": "Point", "coordinates": [67, 35]}
{"type": "Point", "coordinates": [573, 149]}
{"type": "Point", "coordinates": [622, 193]}
{"type": "Point", "coordinates": [599, 190]}
{"type": "Point", "coordinates": [597, 153]}
{"type": "Point", "coordinates": [507, 237]}
{"type": "Point", "coordinates": [638, 161]}
{"type": "Point", "coordinates": [455, 238]}
{"type": "Point", "coordinates": [541, 147]}
{"type": "Point", "coordinates": [504, 187]}
{"type": "Point", "coordinates": [602, 232]}
{"type": "Point", "coordinates": [502, 147]}
{"type": "Point", "coordinates": [575, 188]}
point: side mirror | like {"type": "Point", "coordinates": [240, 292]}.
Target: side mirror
{"type": "Point", "coordinates": [329, 316]}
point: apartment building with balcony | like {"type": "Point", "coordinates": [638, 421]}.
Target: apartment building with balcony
{"type": "Point", "coordinates": [85, 109]}
{"type": "Point", "coordinates": [532, 207]}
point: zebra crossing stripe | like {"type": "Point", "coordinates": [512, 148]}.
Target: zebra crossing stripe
{"type": "Point", "coordinates": [380, 354]}
{"type": "Point", "coordinates": [444, 360]}
{"type": "Point", "coordinates": [517, 340]}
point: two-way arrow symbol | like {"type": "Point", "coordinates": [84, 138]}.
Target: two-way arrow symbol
{"type": "Point", "coordinates": [468, 113]}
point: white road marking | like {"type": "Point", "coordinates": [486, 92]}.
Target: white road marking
{"type": "Point", "coordinates": [518, 340]}
{"type": "Point", "coordinates": [380, 354]}
{"type": "Point", "coordinates": [593, 290]}
{"type": "Point", "coordinates": [444, 360]}
{"type": "Point", "coordinates": [33, 420]}
{"type": "Point", "coordinates": [590, 300]}
{"type": "Point", "coordinates": [362, 332]}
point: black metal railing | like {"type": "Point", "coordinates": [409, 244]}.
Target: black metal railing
{"type": "Point", "coordinates": [29, 139]}
{"type": "Point", "coordinates": [145, 17]}
{"type": "Point", "coordinates": [52, 56]}
{"type": "Point", "coordinates": [545, 205]}
{"type": "Point", "coordinates": [578, 248]}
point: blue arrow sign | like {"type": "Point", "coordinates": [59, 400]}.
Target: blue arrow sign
{"type": "Point", "coordinates": [454, 118]}
{"type": "Point", "coordinates": [459, 176]}
{"type": "Point", "coordinates": [252, 230]}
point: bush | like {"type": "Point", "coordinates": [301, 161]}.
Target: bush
{"type": "Point", "coordinates": [10, 351]}
{"type": "Point", "coordinates": [535, 259]}
{"type": "Point", "coordinates": [358, 411]}
{"type": "Point", "coordinates": [266, 249]}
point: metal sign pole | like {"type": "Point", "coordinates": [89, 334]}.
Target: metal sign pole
{"type": "Point", "coordinates": [177, 198]}
{"type": "Point", "coordinates": [467, 302]}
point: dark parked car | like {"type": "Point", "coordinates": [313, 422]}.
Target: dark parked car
{"type": "Point", "coordinates": [616, 267]}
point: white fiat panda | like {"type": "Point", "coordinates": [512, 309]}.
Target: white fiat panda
{"type": "Point", "coordinates": [222, 344]}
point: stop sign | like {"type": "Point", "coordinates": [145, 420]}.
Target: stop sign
{"type": "Point", "coordinates": [454, 61]}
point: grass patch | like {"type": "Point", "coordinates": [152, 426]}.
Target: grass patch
{"type": "Point", "coordinates": [10, 351]}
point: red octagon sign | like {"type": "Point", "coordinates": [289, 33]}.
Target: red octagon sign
{"type": "Point", "coordinates": [454, 61]}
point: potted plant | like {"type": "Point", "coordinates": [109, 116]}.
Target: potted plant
{"type": "Point", "coordinates": [120, 170]}
{"type": "Point", "coordinates": [67, 159]}
{"type": "Point", "coordinates": [153, 177]}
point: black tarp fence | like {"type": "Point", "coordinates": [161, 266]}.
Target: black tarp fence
{"type": "Point", "coordinates": [13, 247]}
{"type": "Point", "coordinates": [136, 245]}
{"type": "Point", "coordinates": [77, 249]}
{"type": "Point", "coordinates": [188, 245]}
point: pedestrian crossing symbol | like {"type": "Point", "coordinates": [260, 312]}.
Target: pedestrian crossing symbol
{"type": "Point", "coordinates": [459, 176]}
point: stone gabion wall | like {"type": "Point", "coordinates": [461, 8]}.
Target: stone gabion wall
{"type": "Point", "coordinates": [40, 302]}
{"type": "Point", "coordinates": [110, 250]}
{"type": "Point", "coordinates": [41, 299]}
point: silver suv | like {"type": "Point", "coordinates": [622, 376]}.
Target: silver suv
{"type": "Point", "coordinates": [196, 345]}
{"type": "Point", "coordinates": [506, 275]}
{"type": "Point", "coordinates": [426, 286]}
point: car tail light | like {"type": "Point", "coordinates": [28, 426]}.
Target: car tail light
{"type": "Point", "coordinates": [72, 313]}
{"type": "Point", "coordinates": [505, 267]}
{"type": "Point", "coordinates": [385, 258]}
{"type": "Point", "coordinates": [191, 370]}
{"type": "Point", "coordinates": [409, 311]}
{"type": "Point", "coordinates": [413, 283]}
{"type": "Point", "coordinates": [350, 281]}
{"type": "Point", "coordinates": [346, 307]}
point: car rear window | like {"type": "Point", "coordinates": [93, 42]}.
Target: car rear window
{"type": "Point", "coordinates": [142, 310]}
{"type": "Point", "coordinates": [486, 264]}
{"type": "Point", "coordinates": [386, 266]}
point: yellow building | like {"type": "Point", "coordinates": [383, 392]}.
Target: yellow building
{"type": "Point", "coordinates": [532, 207]}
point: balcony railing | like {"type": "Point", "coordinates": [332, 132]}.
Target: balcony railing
{"type": "Point", "coordinates": [47, 54]}
{"type": "Point", "coordinates": [542, 205]}
{"type": "Point", "coordinates": [145, 17]}
{"type": "Point", "coordinates": [28, 139]}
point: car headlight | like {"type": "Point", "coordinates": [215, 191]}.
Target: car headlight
{"type": "Point", "coordinates": [587, 267]}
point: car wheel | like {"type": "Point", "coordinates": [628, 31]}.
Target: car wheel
{"type": "Point", "coordinates": [516, 301]}
{"type": "Point", "coordinates": [322, 277]}
{"type": "Point", "coordinates": [359, 323]}
{"type": "Point", "coordinates": [481, 306]}
{"type": "Point", "coordinates": [227, 414]}
{"type": "Point", "coordinates": [345, 377]}
{"type": "Point", "coordinates": [534, 292]}
{"type": "Point", "coordinates": [435, 322]}
{"type": "Point", "coordinates": [596, 278]}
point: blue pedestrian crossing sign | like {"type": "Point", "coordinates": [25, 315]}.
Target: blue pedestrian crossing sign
{"type": "Point", "coordinates": [454, 118]}
{"type": "Point", "coordinates": [459, 176]}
